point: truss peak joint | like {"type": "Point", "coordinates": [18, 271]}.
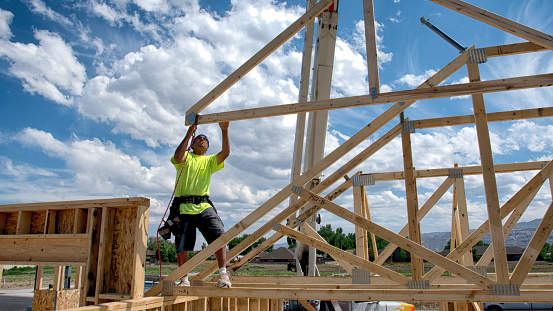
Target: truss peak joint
{"type": "Point", "coordinates": [360, 276]}
{"type": "Point", "coordinates": [363, 180]}
{"type": "Point", "coordinates": [374, 92]}
{"type": "Point", "coordinates": [191, 118]}
{"type": "Point", "coordinates": [275, 225]}
{"type": "Point", "coordinates": [455, 173]}
{"type": "Point", "coordinates": [418, 284]}
{"type": "Point", "coordinates": [299, 223]}
{"type": "Point", "coordinates": [297, 190]}
{"type": "Point", "coordinates": [477, 56]}
{"type": "Point", "coordinates": [408, 126]}
{"type": "Point", "coordinates": [504, 290]}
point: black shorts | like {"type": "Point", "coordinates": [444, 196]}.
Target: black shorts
{"type": "Point", "coordinates": [209, 224]}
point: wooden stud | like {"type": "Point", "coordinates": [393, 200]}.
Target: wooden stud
{"type": "Point", "coordinates": [490, 184]}
{"type": "Point", "coordinates": [361, 246]}
{"type": "Point", "coordinates": [58, 278]}
{"type": "Point", "coordinates": [38, 277]}
{"type": "Point", "coordinates": [417, 269]}
{"type": "Point", "coordinates": [254, 304]}
{"type": "Point", "coordinates": [368, 216]}
{"type": "Point", "coordinates": [462, 212]}
{"type": "Point", "coordinates": [263, 304]}
{"type": "Point", "coordinates": [24, 222]}
{"type": "Point", "coordinates": [138, 260]}
{"type": "Point", "coordinates": [370, 42]}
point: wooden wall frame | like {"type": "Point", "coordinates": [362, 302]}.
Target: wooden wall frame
{"type": "Point", "coordinates": [105, 239]}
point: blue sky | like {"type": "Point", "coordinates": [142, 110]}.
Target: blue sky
{"type": "Point", "coordinates": [94, 93]}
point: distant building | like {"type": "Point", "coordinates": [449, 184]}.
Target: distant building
{"type": "Point", "coordinates": [151, 256]}
{"type": "Point", "coordinates": [281, 254]}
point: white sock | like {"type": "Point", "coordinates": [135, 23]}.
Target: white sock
{"type": "Point", "coordinates": [223, 270]}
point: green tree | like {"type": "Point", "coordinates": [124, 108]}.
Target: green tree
{"type": "Point", "coordinates": [238, 240]}
{"type": "Point", "coordinates": [167, 250]}
{"type": "Point", "coordinates": [543, 253]}
{"type": "Point", "coordinates": [291, 242]}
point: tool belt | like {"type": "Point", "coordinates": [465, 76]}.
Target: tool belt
{"type": "Point", "coordinates": [172, 224]}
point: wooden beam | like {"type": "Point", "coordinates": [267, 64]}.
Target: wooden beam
{"type": "Point", "coordinates": [492, 117]}
{"type": "Point", "coordinates": [490, 183]}
{"type": "Point", "coordinates": [402, 242]}
{"type": "Point", "coordinates": [368, 216]}
{"type": "Point", "coordinates": [338, 253]}
{"type": "Point", "coordinates": [258, 57]}
{"type": "Point", "coordinates": [498, 21]}
{"type": "Point", "coordinates": [417, 268]}
{"type": "Point", "coordinates": [534, 248]}
{"type": "Point", "coordinates": [528, 189]}
{"type": "Point", "coordinates": [370, 43]}
{"type": "Point", "coordinates": [65, 205]}
{"type": "Point", "coordinates": [35, 248]}
{"type": "Point", "coordinates": [462, 212]}
{"type": "Point", "coordinates": [361, 246]}
{"type": "Point", "coordinates": [490, 86]}
{"type": "Point", "coordinates": [467, 170]}
{"type": "Point", "coordinates": [407, 295]}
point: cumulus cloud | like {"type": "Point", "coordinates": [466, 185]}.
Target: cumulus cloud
{"type": "Point", "coordinates": [413, 80]}
{"type": "Point", "coordinates": [50, 68]}
{"type": "Point", "coordinates": [98, 167]}
{"type": "Point", "coordinates": [5, 21]}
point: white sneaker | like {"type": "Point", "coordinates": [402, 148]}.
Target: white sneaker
{"type": "Point", "coordinates": [182, 282]}
{"type": "Point", "coordinates": [223, 280]}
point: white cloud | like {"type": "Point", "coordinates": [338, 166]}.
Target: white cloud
{"type": "Point", "coordinates": [50, 68]}
{"type": "Point", "coordinates": [38, 6]}
{"type": "Point", "coordinates": [5, 21]}
{"type": "Point", "coordinates": [99, 167]}
{"type": "Point", "coordinates": [413, 80]}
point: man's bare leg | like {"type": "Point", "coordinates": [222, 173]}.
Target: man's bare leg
{"type": "Point", "coordinates": [223, 280]}
{"type": "Point", "coordinates": [221, 256]}
{"type": "Point", "coordinates": [182, 258]}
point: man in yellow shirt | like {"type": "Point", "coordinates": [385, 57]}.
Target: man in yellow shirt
{"type": "Point", "coordinates": [194, 170]}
